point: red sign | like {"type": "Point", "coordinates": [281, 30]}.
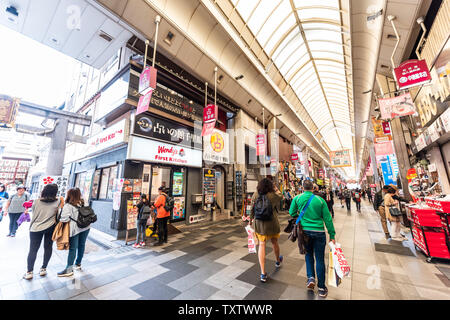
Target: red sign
{"type": "Point", "coordinates": [208, 128]}
{"type": "Point", "coordinates": [412, 73]}
{"type": "Point", "coordinates": [386, 127]}
{"type": "Point", "coordinates": [260, 144]}
{"type": "Point", "coordinates": [294, 157]}
{"type": "Point", "coordinates": [210, 113]}
{"type": "Point", "coordinates": [144, 102]}
{"type": "Point", "coordinates": [411, 174]}
{"type": "Point", "coordinates": [147, 79]}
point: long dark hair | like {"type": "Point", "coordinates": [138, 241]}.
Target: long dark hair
{"type": "Point", "coordinates": [49, 193]}
{"type": "Point", "coordinates": [265, 186]}
{"type": "Point", "coordinates": [74, 197]}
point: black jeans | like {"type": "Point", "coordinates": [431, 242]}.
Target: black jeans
{"type": "Point", "coordinates": [13, 217]}
{"type": "Point", "coordinates": [348, 203]}
{"type": "Point", "coordinates": [35, 244]}
{"type": "Point", "coordinates": [358, 205]}
{"type": "Point", "coordinates": [162, 229]}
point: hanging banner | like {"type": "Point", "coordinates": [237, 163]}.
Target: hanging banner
{"type": "Point", "coordinates": [8, 111]}
{"type": "Point", "coordinates": [147, 80]}
{"type": "Point", "coordinates": [397, 107]}
{"type": "Point", "coordinates": [420, 142]}
{"type": "Point", "coordinates": [216, 147]}
{"type": "Point", "coordinates": [294, 157]}
{"type": "Point", "coordinates": [340, 159]}
{"type": "Point", "coordinates": [445, 119]}
{"type": "Point", "coordinates": [260, 144]}
{"type": "Point", "coordinates": [386, 127]}
{"type": "Point", "coordinates": [210, 116]}
{"type": "Point", "coordinates": [411, 174]}
{"type": "Point", "coordinates": [412, 73]}
{"type": "Point", "coordinates": [383, 148]}
{"type": "Point", "coordinates": [144, 102]}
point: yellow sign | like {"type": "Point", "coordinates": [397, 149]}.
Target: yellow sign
{"type": "Point", "coordinates": [217, 142]}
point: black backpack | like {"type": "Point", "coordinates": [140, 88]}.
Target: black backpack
{"type": "Point", "coordinates": [170, 203]}
{"type": "Point", "coordinates": [263, 208]}
{"type": "Point", "coordinates": [145, 212]}
{"type": "Point", "coordinates": [86, 216]}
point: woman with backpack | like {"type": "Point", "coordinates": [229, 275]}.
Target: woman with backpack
{"type": "Point", "coordinates": [42, 225]}
{"type": "Point", "coordinates": [141, 222]}
{"type": "Point", "coordinates": [162, 216]}
{"type": "Point", "coordinates": [265, 221]}
{"type": "Point", "coordinates": [78, 236]}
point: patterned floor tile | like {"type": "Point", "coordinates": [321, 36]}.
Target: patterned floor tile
{"type": "Point", "coordinates": [155, 290]}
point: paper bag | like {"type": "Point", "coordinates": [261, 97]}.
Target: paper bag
{"type": "Point", "coordinates": [341, 265]}
{"type": "Point", "coordinates": [333, 278]}
{"type": "Point", "coordinates": [251, 240]}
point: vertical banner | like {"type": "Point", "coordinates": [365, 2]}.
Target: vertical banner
{"type": "Point", "coordinates": [144, 102]}
{"type": "Point", "coordinates": [400, 106]}
{"type": "Point", "coordinates": [260, 144]}
{"type": "Point", "coordinates": [147, 80]}
{"type": "Point", "coordinates": [210, 116]}
{"type": "Point", "coordinates": [61, 181]}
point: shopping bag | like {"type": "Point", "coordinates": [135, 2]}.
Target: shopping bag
{"type": "Point", "coordinates": [341, 265]}
{"type": "Point", "coordinates": [148, 232]}
{"type": "Point", "coordinates": [251, 239]}
{"type": "Point", "coordinates": [333, 278]}
{"type": "Point", "coordinates": [150, 221]}
{"type": "Point", "coordinates": [24, 217]}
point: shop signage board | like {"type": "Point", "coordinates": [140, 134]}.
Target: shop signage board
{"type": "Point", "coordinates": [209, 186]}
{"type": "Point", "coordinates": [132, 212]}
{"type": "Point", "coordinates": [12, 169]}
{"type": "Point", "coordinates": [445, 119]}
{"type": "Point", "coordinates": [386, 128]}
{"type": "Point", "coordinates": [8, 111]}
{"type": "Point", "coordinates": [210, 116]}
{"type": "Point", "coordinates": [147, 80]}
{"type": "Point", "coordinates": [110, 137]}
{"type": "Point", "coordinates": [61, 181]}
{"type": "Point", "coordinates": [435, 130]}
{"type": "Point", "coordinates": [400, 106]}
{"type": "Point", "coordinates": [388, 174]}
{"type": "Point", "coordinates": [156, 128]}
{"type": "Point", "coordinates": [179, 208]}
{"type": "Point", "coordinates": [384, 148]}
{"type": "Point", "coordinates": [340, 158]}
{"type": "Point", "coordinates": [294, 157]}
{"type": "Point", "coordinates": [432, 167]}
{"type": "Point", "coordinates": [411, 174]}
{"type": "Point", "coordinates": [260, 144]}
{"type": "Point", "coordinates": [216, 147]}
{"type": "Point", "coordinates": [155, 151]}
{"type": "Point", "coordinates": [144, 102]}
{"type": "Point", "coordinates": [273, 167]}
{"type": "Point", "coordinates": [412, 73]}
{"type": "Point", "coordinates": [420, 142]}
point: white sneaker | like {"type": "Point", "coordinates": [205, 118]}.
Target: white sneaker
{"type": "Point", "coordinates": [43, 272]}
{"type": "Point", "coordinates": [28, 276]}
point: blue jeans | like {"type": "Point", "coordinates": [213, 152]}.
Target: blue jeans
{"type": "Point", "coordinates": [13, 217]}
{"type": "Point", "coordinates": [141, 226]}
{"type": "Point", "coordinates": [77, 244]}
{"type": "Point", "coordinates": [315, 250]}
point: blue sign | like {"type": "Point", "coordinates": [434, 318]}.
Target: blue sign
{"type": "Point", "coordinates": [388, 174]}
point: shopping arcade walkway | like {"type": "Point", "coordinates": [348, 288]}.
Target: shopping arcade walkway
{"type": "Point", "coordinates": [212, 262]}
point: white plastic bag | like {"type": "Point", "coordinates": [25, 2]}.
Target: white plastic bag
{"type": "Point", "coordinates": [251, 239]}
{"type": "Point", "coordinates": [340, 264]}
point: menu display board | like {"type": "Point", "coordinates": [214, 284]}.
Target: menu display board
{"type": "Point", "coordinates": [137, 186]}
{"type": "Point", "coordinates": [209, 186]}
{"type": "Point", "coordinates": [132, 212]}
{"type": "Point", "coordinates": [179, 208]}
{"type": "Point", "coordinates": [127, 186]}
{"type": "Point", "coordinates": [177, 189]}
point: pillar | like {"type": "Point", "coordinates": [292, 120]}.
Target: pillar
{"type": "Point", "coordinates": [401, 153]}
{"type": "Point", "coordinates": [57, 150]}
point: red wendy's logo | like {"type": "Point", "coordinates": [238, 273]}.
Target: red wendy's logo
{"type": "Point", "coordinates": [48, 180]}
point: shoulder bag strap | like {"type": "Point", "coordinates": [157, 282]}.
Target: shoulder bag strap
{"type": "Point", "coordinates": [304, 210]}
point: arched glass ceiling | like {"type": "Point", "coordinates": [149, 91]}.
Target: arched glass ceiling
{"type": "Point", "coordinates": [303, 40]}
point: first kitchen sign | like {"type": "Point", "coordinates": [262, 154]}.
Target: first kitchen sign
{"type": "Point", "coordinates": [114, 135]}
{"type": "Point", "coordinates": [412, 73]}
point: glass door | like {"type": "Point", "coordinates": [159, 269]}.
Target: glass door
{"type": "Point", "coordinates": [178, 189]}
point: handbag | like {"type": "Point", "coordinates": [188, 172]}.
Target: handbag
{"type": "Point", "coordinates": [297, 232]}
{"type": "Point", "coordinates": [395, 212]}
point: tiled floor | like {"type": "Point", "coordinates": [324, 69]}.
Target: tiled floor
{"type": "Point", "coordinates": [212, 262]}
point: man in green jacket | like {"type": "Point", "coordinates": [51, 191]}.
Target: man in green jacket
{"type": "Point", "coordinates": [313, 225]}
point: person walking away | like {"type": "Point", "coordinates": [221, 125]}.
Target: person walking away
{"type": "Point", "coordinates": [357, 197]}
{"type": "Point", "coordinates": [141, 222]}
{"type": "Point", "coordinates": [369, 195]}
{"type": "Point", "coordinates": [316, 214]}
{"type": "Point", "coordinates": [78, 236]}
{"type": "Point", "coordinates": [347, 196]}
{"type": "Point", "coordinates": [162, 216]}
{"type": "Point", "coordinates": [43, 222]}
{"type": "Point", "coordinates": [378, 205]}
{"type": "Point", "coordinates": [14, 207]}
{"type": "Point", "coordinates": [341, 197]}
{"type": "Point", "coordinates": [390, 202]}
{"type": "Point", "coordinates": [330, 201]}
{"type": "Point", "coordinates": [265, 222]}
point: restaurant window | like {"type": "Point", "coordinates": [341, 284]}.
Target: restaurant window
{"type": "Point", "coordinates": [102, 188]}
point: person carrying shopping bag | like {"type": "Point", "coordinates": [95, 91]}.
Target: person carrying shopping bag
{"type": "Point", "coordinates": [42, 225]}
{"type": "Point", "coordinates": [265, 222]}
{"type": "Point", "coordinates": [78, 234]}
{"type": "Point", "coordinates": [393, 214]}
{"type": "Point", "coordinates": [315, 214]}
{"type": "Point", "coordinates": [14, 207]}
{"type": "Point", "coordinates": [141, 222]}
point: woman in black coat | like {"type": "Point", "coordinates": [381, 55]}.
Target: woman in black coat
{"type": "Point", "coordinates": [330, 201]}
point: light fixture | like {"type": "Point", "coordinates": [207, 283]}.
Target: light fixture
{"type": "Point", "coordinates": [240, 77]}
{"type": "Point", "coordinates": [169, 38]}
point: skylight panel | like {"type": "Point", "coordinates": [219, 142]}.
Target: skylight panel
{"type": "Point", "coordinates": [261, 14]}
{"type": "Point", "coordinates": [245, 8]}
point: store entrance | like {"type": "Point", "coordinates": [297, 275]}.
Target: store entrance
{"type": "Point", "coordinates": [173, 179]}
{"type": "Point", "coordinates": [220, 187]}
